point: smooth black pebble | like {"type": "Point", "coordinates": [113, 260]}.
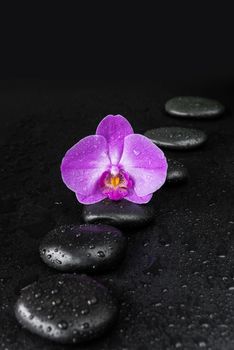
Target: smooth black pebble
{"type": "Point", "coordinates": [176, 172]}
{"type": "Point", "coordinates": [120, 213]}
{"type": "Point", "coordinates": [173, 137]}
{"type": "Point", "coordinates": [194, 107]}
{"type": "Point", "coordinates": [66, 308]}
{"type": "Point", "coordinates": [83, 248]}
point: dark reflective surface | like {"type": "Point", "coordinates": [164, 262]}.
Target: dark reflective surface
{"type": "Point", "coordinates": [66, 308]}
{"type": "Point", "coordinates": [175, 285]}
{"type": "Point", "coordinates": [86, 248]}
{"type": "Point", "coordinates": [122, 213]}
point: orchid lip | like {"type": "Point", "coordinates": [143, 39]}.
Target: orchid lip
{"type": "Point", "coordinates": [115, 186]}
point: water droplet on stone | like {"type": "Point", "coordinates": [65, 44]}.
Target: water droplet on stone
{"type": "Point", "coordinates": [92, 301]}
{"type": "Point", "coordinates": [101, 254]}
{"type": "Point", "coordinates": [62, 324]}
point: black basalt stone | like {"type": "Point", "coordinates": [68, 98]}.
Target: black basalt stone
{"type": "Point", "coordinates": [66, 308]}
{"type": "Point", "coordinates": [173, 137]}
{"type": "Point", "coordinates": [120, 213]}
{"type": "Point", "coordinates": [194, 107]}
{"type": "Point", "coordinates": [83, 248]}
{"type": "Point", "coordinates": [176, 173]}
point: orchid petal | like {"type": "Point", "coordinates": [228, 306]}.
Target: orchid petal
{"type": "Point", "coordinates": [83, 165]}
{"type": "Point", "coordinates": [91, 199]}
{"type": "Point", "coordinates": [145, 163]}
{"type": "Point", "coordinates": [133, 197]}
{"type": "Point", "coordinates": [114, 128]}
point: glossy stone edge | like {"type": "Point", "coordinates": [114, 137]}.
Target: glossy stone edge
{"type": "Point", "coordinates": [182, 180]}
{"type": "Point", "coordinates": [180, 147]}
{"type": "Point", "coordinates": [27, 327]}
{"type": "Point", "coordinates": [125, 225]}
{"type": "Point", "coordinates": [205, 115]}
{"type": "Point", "coordinates": [114, 264]}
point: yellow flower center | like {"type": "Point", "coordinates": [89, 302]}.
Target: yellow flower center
{"type": "Point", "coordinates": [115, 181]}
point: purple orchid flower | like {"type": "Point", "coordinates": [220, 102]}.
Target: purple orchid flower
{"type": "Point", "coordinates": [115, 163]}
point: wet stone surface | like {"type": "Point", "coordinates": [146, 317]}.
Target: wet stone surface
{"type": "Point", "coordinates": [176, 173]}
{"type": "Point", "coordinates": [173, 137]}
{"type": "Point", "coordinates": [86, 248]}
{"type": "Point", "coordinates": [66, 308]}
{"type": "Point", "coordinates": [121, 213]}
{"type": "Point", "coordinates": [194, 107]}
{"type": "Point", "coordinates": [175, 285]}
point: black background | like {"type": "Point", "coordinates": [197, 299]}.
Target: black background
{"type": "Point", "coordinates": [162, 42]}
{"type": "Point", "coordinates": [62, 70]}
